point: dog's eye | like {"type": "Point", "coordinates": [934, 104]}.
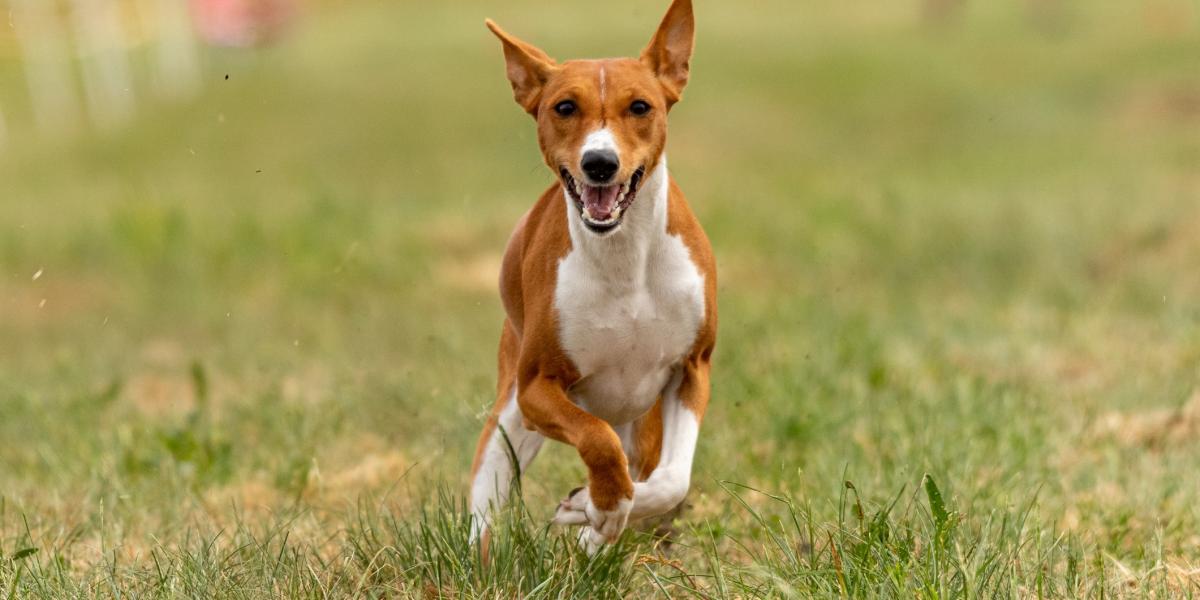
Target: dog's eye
{"type": "Point", "coordinates": [639, 107]}
{"type": "Point", "coordinates": [565, 108]}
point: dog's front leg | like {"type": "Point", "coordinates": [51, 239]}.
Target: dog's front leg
{"type": "Point", "coordinates": [684, 399]}
{"type": "Point", "coordinates": [609, 495]}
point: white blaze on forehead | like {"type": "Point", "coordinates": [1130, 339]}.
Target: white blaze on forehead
{"type": "Point", "coordinates": [602, 86]}
{"type": "Point", "coordinates": [601, 139]}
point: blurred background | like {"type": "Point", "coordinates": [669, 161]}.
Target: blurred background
{"type": "Point", "coordinates": [248, 251]}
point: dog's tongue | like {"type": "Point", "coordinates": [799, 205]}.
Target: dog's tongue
{"type": "Point", "coordinates": [600, 202]}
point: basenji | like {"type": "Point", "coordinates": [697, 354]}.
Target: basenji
{"type": "Point", "coordinates": [609, 287]}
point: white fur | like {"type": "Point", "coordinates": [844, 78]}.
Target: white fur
{"type": "Point", "coordinates": [600, 139]}
{"type": "Point", "coordinates": [604, 525]}
{"type": "Point", "coordinates": [600, 525]}
{"type": "Point", "coordinates": [668, 484]}
{"type": "Point", "coordinates": [489, 489]}
{"type": "Point", "coordinates": [629, 306]}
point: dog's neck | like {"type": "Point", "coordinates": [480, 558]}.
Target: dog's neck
{"type": "Point", "coordinates": [626, 250]}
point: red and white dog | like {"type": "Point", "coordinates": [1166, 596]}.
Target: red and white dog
{"type": "Point", "coordinates": [609, 286]}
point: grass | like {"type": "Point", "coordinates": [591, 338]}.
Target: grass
{"type": "Point", "coordinates": [246, 343]}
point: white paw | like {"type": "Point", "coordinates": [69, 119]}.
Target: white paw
{"type": "Point", "coordinates": [590, 540]}
{"type": "Point", "coordinates": [603, 526]}
{"type": "Point", "coordinates": [571, 511]}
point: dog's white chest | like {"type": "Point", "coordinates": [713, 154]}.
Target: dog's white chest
{"type": "Point", "coordinates": [625, 324]}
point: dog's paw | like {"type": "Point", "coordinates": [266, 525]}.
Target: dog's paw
{"type": "Point", "coordinates": [607, 525]}
{"type": "Point", "coordinates": [572, 509]}
{"type": "Point", "coordinates": [603, 526]}
{"type": "Point", "coordinates": [590, 540]}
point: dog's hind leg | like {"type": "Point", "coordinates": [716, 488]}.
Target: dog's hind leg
{"type": "Point", "coordinates": [667, 481]}
{"type": "Point", "coordinates": [643, 445]}
{"type": "Point", "coordinates": [506, 447]}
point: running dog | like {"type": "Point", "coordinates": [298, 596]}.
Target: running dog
{"type": "Point", "coordinates": [609, 287]}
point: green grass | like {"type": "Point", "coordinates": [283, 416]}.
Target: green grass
{"type": "Point", "coordinates": [960, 312]}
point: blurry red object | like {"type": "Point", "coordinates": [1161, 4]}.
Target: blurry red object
{"type": "Point", "coordinates": [241, 23]}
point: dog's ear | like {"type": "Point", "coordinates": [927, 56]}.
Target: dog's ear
{"type": "Point", "coordinates": [670, 50]}
{"type": "Point", "coordinates": [528, 68]}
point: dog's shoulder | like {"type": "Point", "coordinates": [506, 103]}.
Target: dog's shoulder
{"type": "Point", "coordinates": [538, 241]}
{"type": "Point", "coordinates": [529, 272]}
{"type": "Point", "coordinates": [682, 222]}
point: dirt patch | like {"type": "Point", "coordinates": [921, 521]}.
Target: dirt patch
{"type": "Point", "coordinates": [308, 387]}
{"type": "Point", "coordinates": [1181, 576]}
{"type": "Point", "coordinates": [1168, 17]}
{"type": "Point", "coordinates": [160, 395]}
{"type": "Point", "coordinates": [1154, 429]}
{"type": "Point", "coordinates": [1184, 573]}
{"type": "Point", "coordinates": [1160, 105]}
{"type": "Point", "coordinates": [1172, 245]}
{"type": "Point", "coordinates": [371, 472]}
{"type": "Point", "coordinates": [43, 298]}
{"type": "Point", "coordinates": [252, 497]}
{"type": "Point", "coordinates": [1071, 370]}
{"type": "Point", "coordinates": [165, 353]}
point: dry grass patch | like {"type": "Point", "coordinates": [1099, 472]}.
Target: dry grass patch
{"type": "Point", "coordinates": [1156, 430]}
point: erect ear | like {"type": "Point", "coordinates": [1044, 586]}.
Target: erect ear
{"type": "Point", "coordinates": [528, 68]}
{"type": "Point", "coordinates": [671, 48]}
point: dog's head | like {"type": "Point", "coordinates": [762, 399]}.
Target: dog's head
{"type": "Point", "coordinates": [602, 124]}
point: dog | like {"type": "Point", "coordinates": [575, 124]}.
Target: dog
{"type": "Point", "coordinates": [609, 289]}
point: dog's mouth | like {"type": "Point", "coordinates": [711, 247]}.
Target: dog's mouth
{"type": "Point", "coordinates": [602, 206]}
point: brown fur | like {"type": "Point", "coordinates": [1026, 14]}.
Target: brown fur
{"type": "Point", "coordinates": [531, 355]}
{"type": "Point", "coordinates": [648, 434]}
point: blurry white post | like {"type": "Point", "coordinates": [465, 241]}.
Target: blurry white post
{"type": "Point", "coordinates": [101, 43]}
{"type": "Point", "coordinates": [44, 50]}
{"type": "Point", "coordinates": [176, 56]}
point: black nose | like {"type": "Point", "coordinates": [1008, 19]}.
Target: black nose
{"type": "Point", "coordinates": [600, 165]}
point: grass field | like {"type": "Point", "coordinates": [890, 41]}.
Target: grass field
{"type": "Point", "coordinates": [246, 344]}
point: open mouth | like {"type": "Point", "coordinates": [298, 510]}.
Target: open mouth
{"type": "Point", "coordinates": [602, 206]}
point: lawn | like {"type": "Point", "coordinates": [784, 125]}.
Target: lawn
{"type": "Point", "coordinates": [247, 342]}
